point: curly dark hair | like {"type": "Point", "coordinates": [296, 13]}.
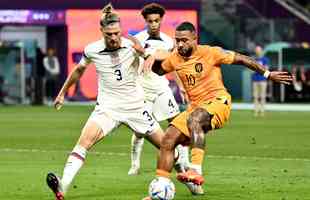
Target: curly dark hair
{"type": "Point", "coordinates": [186, 26]}
{"type": "Point", "coordinates": [153, 8]}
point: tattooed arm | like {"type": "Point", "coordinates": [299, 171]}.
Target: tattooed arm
{"type": "Point", "coordinates": [249, 62]}
{"type": "Point", "coordinates": [277, 76]}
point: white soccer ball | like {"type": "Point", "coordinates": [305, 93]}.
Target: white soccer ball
{"type": "Point", "coordinates": [161, 189]}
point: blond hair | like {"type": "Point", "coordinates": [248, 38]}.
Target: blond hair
{"type": "Point", "coordinates": [109, 16]}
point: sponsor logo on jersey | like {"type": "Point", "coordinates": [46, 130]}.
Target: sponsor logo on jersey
{"type": "Point", "coordinates": [198, 67]}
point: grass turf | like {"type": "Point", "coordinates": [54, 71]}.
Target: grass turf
{"type": "Point", "coordinates": [250, 158]}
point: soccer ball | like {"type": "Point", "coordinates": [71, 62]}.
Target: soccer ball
{"type": "Point", "coordinates": [161, 189]}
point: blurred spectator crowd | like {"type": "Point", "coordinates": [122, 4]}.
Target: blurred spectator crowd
{"type": "Point", "coordinates": [300, 89]}
{"type": "Point", "coordinates": [304, 3]}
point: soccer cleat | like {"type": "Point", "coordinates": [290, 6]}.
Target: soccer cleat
{"type": "Point", "coordinates": [133, 171]}
{"type": "Point", "coordinates": [53, 183]}
{"type": "Point", "coordinates": [190, 176]}
{"type": "Point", "coordinates": [194, 188]}
{"type": "Point", "coordinates": [179, 167]}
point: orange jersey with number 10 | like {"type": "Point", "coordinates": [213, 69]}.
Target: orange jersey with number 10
{"type": "Point", "coordinates": [201, 73]}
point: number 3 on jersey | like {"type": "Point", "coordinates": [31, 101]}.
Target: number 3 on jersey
{"type": "Point", "coordinates": [118, 74]}
{"type": "Point", "coordinates": [147, 115]}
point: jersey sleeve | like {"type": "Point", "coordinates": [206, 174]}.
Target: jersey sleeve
{"type": "Point", "coordinates": [222, 56]}
{"type": "Point", "coordinates": [170, 44]}
{"type": "Point", "coordinates": [167, 64]}
{"type": "Point", "coordinates": [85, 59]}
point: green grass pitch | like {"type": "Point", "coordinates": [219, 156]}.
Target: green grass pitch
{"type": "Point", "coordinates": [250, 158]}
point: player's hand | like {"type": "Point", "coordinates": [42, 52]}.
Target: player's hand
{"type": "Point", "coordinates": [136, 45]}
{"type": "Point", "coordinates": [281, 77]}
{"type": "Point", "coordinates": [59, 101]}
{"type": "Point", "coordinates": [148, 64]}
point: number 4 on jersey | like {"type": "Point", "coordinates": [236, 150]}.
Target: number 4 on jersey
{"type": "Point", "coordinates": [170, 104]}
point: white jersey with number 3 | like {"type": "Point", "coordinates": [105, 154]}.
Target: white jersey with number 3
{"type": "Point", "coordinates": [117, 74]}
{"type": "Point", "coordinates": [120, 97]}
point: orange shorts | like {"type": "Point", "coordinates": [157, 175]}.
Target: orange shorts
{"type": "Point", "coordinates": [219, 107]}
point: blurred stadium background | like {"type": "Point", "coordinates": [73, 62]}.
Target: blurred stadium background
{"type": "Point", "coordinates": [252, 158]}
{"type": "Point", "coordinates": [28, 29]}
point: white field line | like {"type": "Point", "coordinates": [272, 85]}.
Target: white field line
{"type": "Point", "coordinates": [273, 107]}
{"type": "Point", "coordinates": [235, 106]}
{"type": "Point", "coordinates": [127, 155]}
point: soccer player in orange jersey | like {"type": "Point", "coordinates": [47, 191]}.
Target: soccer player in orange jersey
{"type": "Point", "coordinates": [199, 68]}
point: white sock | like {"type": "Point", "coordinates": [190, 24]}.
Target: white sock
{"type": "Point", "coordinates": [183, 155]}
{"type": "Point", "coordinates": [136, 149]}
{"type": "Point", "coordinates": [73, 165]}
{"type": "Point", "coordinates": [196, 168]}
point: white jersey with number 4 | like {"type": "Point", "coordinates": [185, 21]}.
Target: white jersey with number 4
{"type": "Point", "coordinates": [152, 83]}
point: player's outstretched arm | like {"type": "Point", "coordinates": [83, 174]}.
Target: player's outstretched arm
{"type": "Point", "coordinates": [154, 62]}
{"type": "Point", "coordinates": [71, 79]}
{"type": "Point", "coordinates": [137, 46]}
{"type": "Point", "coordinates": [276, 76]}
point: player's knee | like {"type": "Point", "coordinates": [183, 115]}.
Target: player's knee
{"type": "Point", "coordinates": [199, 119]}
{"type": "Point", "coordinates": [167, 143]}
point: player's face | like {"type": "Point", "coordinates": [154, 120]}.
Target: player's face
{"type": "Point", "coordinates": [258, 51]}
{"type": "Point", "coordinates": [50, 52]}
{"type": "Point", "coordinates": [112, 36]}
{"type": "Point", "coordinates": [185, 42]}
{"type": "Point", "coordinates": [153, 23]}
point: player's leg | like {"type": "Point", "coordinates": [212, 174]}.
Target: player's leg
{"type": "Point", "coordinates": [166, 158]}
{"type": "Point", "coordinates": [162, 107]}
{"type": "Point", "coordinates": [263, 97]}
{"type": "Point", "coordinates": [256, 97]}
{"type": "Point", "coordinates": [136, 150]}
{"type": "Point", "coordinates": [137, 146]}
{"type": "Point", "coordinates": [91, 134]}
{"type": "Point", "coordinates": [209, 115]}
{"type": "Point", "coordinates": [94, 130]}
{"type": "Point", "coordinates": [142, 122]}
{"type": "Point", "coordinates": [171, 139]}
{"type": "Point", "coordinates": [198, 123]}
{"type": "Point", "coordinates": [154, 137]}
{"type": "Point", "coordinates": [166, 108]}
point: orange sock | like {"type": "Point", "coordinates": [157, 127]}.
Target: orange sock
{"type": "Point", "coordinates": [197, 156]}
{"type": "Point", "coordinates": [162, 173]}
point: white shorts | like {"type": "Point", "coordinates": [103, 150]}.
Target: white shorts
{"type": "Point", "coordinates": [164, 106]}
{"type": "Point", "coordinates": [139, 120]}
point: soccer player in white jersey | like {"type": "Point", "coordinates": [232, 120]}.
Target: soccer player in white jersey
{"type": "Point", "coordinates": [120, 98]}
{"type": "Point", "coordinates": [158, 95]}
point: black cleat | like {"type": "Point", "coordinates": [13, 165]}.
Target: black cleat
{"type": "Point", "coordinates": [53, 183]}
